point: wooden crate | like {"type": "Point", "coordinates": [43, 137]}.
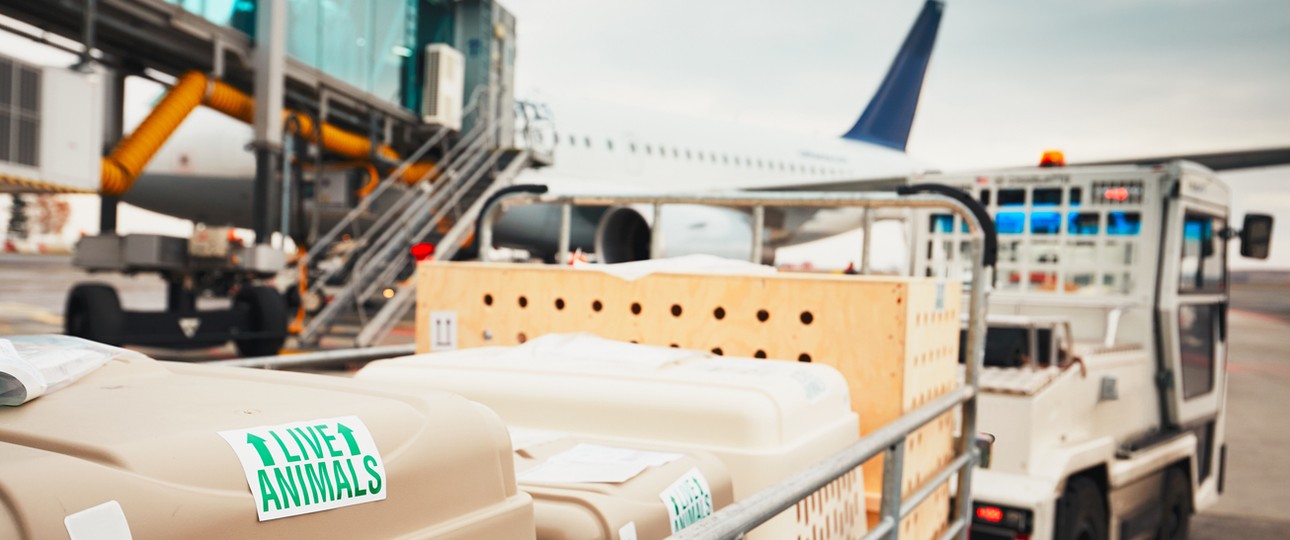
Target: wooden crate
{"type": "Point", "coordinates": [895, 339]}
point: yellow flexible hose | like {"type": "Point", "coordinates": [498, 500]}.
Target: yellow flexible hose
{"type": "Point", "coordinates": [123, 165]}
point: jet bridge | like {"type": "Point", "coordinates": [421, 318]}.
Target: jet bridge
{"type": "Point", "coordinates": [422, 107]}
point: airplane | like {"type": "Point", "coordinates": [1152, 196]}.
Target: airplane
{"type": "Point", "coordinates": [605, 149]}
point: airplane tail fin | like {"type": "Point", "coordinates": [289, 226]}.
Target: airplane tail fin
{"type": "Point", "coordinates": [887, 119]}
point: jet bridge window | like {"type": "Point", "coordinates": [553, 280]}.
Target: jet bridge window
{"type": "Point", "coordinates": [1202, 268]}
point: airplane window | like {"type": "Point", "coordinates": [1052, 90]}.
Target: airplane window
{"type": "Point", "coordinates": [555, 138]}
{"type": "Point", "coordinates": [649, 150]}
{"type": "Point", "coordinates": [587, 140]}
{"type": "Point", "coordinates": [676, 152]}
{"type": "Point", "coordinates": [573, 140]}
{"type": "Point", "coordinates": [609, 143]}
{"type": "Point", "coordinates": [633, 146]}
{"type": "Point", "coordinates": [688, 155]}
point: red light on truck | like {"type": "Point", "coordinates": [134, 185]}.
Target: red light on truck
{"type": "Point", "coordinates": [1117, 194]}
{"type": "Point", "coordinates": [992, 514]}
{"type": "Point", "coordinates": [422, 251]}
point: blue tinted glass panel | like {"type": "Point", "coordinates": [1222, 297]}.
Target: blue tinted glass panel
{"type": "Point", "coordinates": [1123, 223]}
{"type": "Point", "coordinates": [1010, 222]}
{"type": "Point", "coordinates": [942, 223]}
{"type": "Point", "coordinates": [361, 42]}
{"type": "Point", "coordinates": [1082, 223]}
{"type": "Point", "coordinates": [1045, 223]}
{"type": "Point", "coordinates": [1077, 196]}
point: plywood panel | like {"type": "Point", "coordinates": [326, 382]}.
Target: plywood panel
{"type": "Point", "coordinates": [894, 339]}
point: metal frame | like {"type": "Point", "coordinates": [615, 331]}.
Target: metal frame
{"type": "Point", "coordinates": [738, 518]}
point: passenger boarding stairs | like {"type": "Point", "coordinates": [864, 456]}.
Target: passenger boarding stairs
{"type": "Point", "coordinates": [367, 272]}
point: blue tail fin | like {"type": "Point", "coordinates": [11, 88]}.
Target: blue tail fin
{"type": "Point", "coordinates": [887, 119]}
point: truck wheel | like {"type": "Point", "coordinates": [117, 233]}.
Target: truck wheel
{"type": "Point", "coordinates": [1175, 517]}
{"type": "Point", "coordinates": [266, 313]}
{"type": "Point", "coordinates": [1081, 511]}
{"type": "Point", "coordinates": [94, 312]}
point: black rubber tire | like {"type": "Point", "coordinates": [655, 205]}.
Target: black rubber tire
{"type": "Point", "coordinates": [94, 312]}
{"type": "Point", "coordinates": [1081, 511]}
{"type": "Point", "coordinates": [1175, 509]}
{"type": "Point", "coordinates": [266, 312]}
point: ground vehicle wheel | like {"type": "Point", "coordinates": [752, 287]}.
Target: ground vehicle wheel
{"type": "Point", "coordinates": [1081, 511]}
{"type": "Point", "coordinates": [1175, 516]}
{"type": "Point", "coordinates": [266, 313]}
{"type": "Point", "coordinates": [94, 312]}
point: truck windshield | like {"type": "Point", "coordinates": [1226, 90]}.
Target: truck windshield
{"type": "Point", "coordinates": [1053, 240]}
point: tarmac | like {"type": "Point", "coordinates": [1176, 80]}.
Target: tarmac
{"type": "Point", "coordinates": [1256, 504]}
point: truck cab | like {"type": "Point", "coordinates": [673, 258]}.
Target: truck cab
{"type": "Point", "coordinates": [1104, 382]}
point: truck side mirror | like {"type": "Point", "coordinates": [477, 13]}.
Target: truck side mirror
{"type": "Point", "coordinates": [1256, 236]}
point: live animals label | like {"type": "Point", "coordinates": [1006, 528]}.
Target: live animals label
{"type": "Point", "coordinates": [311, 466]}
{"type": "Point", "coordinates": [688, 500]}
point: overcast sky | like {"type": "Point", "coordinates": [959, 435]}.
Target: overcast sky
{"type": "Point", "coordinates": [1098, 79]}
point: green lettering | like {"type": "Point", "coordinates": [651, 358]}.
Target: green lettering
{"type": "Point", "coordinates": [287, 486]}
{"type": "Point", "coordinates": [304, 488]}
{"type": "Point", "coordinates": [285, 452]}
{"type": "Point", "coordinates": [374, 485]}
{"type": "Point", "coordinates": [266, 492]}
{"type": "Point", "coordinates": [342, 480]}
{"type": "Point", "coordinates": [320, 482]}
{"type": "Point", "coordinates": [299, 445]}
{"type": "Point", "coordinates": [322, 430]}
{"type": "Point", "coordinates": [312, 438]}
{"type": "Point", "coordinates": [353, 476]}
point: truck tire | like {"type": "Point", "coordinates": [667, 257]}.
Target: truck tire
{"type": "Point", "coordinates": [1081, 511]}
{"type": "Point", "coordinates": [1175, 515]}
{"type": "Point", "coordinates": [266, 313]}
{"type": "Point", "coordinates": [94, 312]}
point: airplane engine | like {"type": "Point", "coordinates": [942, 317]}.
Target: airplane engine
{"type": "Point", "coordinates": [624, 232]}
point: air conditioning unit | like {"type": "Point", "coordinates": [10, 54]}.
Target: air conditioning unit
{"type": "Point", "coordinates": [44, 142]}
{"type": "Point", "coordinates": [445, 80]}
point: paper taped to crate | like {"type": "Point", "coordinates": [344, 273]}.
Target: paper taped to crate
{"type": "Point", "coordinates": [594, 463]}
{"type": "Point", "coordinates": [32, 366]}
{"type": "Point", "coordinates": [597, 352]}
{"type": "Point", "coordinates": [686, 264]}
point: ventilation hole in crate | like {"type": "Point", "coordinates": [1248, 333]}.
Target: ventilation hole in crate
{"type": "Point", "coordinates": [719, 313]}
{"type": "Point", "coordinates": [636, 308]}
{"type": "Point", "coordinates": [806, 317]}
{"type": "Point", "coordinates": [636, 341]}
{"type": "Point", "coordinates": [488, 299]}
{"type": "Point", "coordinates": [676, 310]}
{"type": "Point", "coordinates": [804, 357]}
{"type": "Point", "coordinates": [521, 337]}
{"type": "Point", "coordinates": [899, 300]}
{"type": "Point", "coordinates": [763, 315]}
{"type": "Point", "coordinates": [597, 306]}
{"type": "Point", "coordinates": [524, 302]}
{"type": "Point", "coordinates": [759, 354]}
{"type": "Point", "coordinates": [559, 304]}
{"type": "Point", "coordinates": [674, 346]}
{"type": "Point", "coordinates": [717, 351]}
